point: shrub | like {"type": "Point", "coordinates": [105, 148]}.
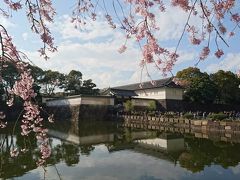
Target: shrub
{"type": "Point", "coordinates": [188, 116]}
{"type": "Point", "coordinates": [128, 106]}
{"type": "Point", "coordinates": [218, 116]}
{"type": "Point", "coordinates": [152, 106]}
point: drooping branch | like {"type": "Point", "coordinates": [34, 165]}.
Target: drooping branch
{"type": "Point", "coordinates": [212, 25]}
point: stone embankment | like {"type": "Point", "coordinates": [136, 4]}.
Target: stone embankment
{"type": "Point", "coordinates": [217, 130]}
{"type": "Point", "coordinates": [79, 112]}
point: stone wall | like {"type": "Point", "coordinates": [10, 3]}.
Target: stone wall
{"type": "Point", "coordinates": [80, 112]}
{"type": "Point", "coordinates": [160, 123]}
{"type": "Point", "coordinates": [170, 105]}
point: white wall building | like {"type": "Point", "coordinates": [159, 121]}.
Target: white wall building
{"type": "Point", "coordinates": [161, 90]}
{"type": "Point", "coordinates": [165, 91]}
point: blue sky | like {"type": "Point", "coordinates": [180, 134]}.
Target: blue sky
{"type": "Point", "coordinates": [94, 50]}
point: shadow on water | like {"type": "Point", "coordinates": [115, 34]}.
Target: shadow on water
{"type": "Point", "coordinates": [71, 142]}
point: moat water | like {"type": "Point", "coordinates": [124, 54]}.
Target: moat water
{"type": "Point", "coordinates": [107, 151]}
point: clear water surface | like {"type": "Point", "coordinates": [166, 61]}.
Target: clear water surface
{"type": "Point", "coordinates": [103, 150]}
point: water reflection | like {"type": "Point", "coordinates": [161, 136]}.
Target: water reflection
{"type": "Point", "coordinates": [15, 167]}
{"type": "Point", "coordinates": [105, 150]}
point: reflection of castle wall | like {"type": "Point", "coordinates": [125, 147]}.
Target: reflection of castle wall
{"type": "Point", "coordinates": [142, 134]}
{"type": "Point", "coordinates": [217, 131]}
{"type": "Point", "coordinates": [94, 139]}
{"type": "Point", "coordinates": [165, 144]}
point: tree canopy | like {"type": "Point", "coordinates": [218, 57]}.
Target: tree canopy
{"type": "Point", "coordinates": [74, 84]}
{"type": "Point", "coordinates": [199, 87]}
{"type": "Point", "coordinates": [221, 87]}
{"type": "Point", "coordinates": [228, 90]}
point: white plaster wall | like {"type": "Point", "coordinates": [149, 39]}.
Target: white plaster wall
{"type": "Point", "coordinates": [160, 93]}
{"type": "Point", "coordinates": [64, 102]}
{"type": "Point", "coordinates": [156, 93]}
{"type": "Point", "coordinates": [81, 100]}
{"type": "Point", "coordinates": [97, 101]}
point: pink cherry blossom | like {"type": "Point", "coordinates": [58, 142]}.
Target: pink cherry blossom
{"type": "Point", "coordinates": [219, 53]}
{"type": "Point", "coordinates": [122, 49]}
{"type": "Point", "coordinates": [14, 152]}
{"type": "Point", "coordinates": [205, 52]}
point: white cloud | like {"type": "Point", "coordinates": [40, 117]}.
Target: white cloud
{"type": "Point", "coordinates": [25, 36]}
{"type": "Point", "coordinates": [230, 62]}
{"type": "Point", "coordinates": [172, 22]}
{"type": "Point", "coordinates": [236, 169]}
{"type": "Point", "coordinates": [6, 22]}
{"type": "Point", "coordinates": [99, 61]}
{"type": "Point", "coordinates": [91, 31]}
{"type": "Point", "coordinates": [94, 52]}
{"type": "Point", "coordinates": [185, 56]}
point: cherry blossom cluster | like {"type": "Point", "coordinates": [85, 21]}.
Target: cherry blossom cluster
{"type": "Point", "coordinates": [38, 12]}
{"type": "Point", "coordinates": [139, 23]}
{"type": "Point", "coordinates": [32, 121]}
{"type": "Point", "coordinates": [238, 73]}
{"type": "Point", "coordinates": [23, 87]}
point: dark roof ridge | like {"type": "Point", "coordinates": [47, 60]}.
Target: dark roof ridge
{"type": "Point", "coordinates": [146, 84]}
{"type": "Point", "coordinates": [114, 88]}
{"type": "Point", "coordinates": [142, 82]}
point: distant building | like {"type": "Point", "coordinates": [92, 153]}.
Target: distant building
{"type": "Point", "coordinates": [165, 91]}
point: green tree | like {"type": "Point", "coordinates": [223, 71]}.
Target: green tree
{"type": "Point", "coordinates": [74, 82]}
{"type": "Point", "coordinates": [152, 106]}
{"type": "Point", "coordinates": [9, 76]}
{"type": "Point", "coordinates": [37, 73]}
{"type": "Point", "coordinates": [128, 106]}
{"type": "Point", "coordinates": [76, 85]}
{"type": "Point", "coordinates": [89, 88]}
{"type": "Point", "coordinates": [227, 83]}
{"type": "Point", "coordinates": [52, 80]}
{"type": "Point", "coordinates": [198, 86]}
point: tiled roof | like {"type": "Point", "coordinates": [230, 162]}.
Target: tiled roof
{"type": "Point", "coordinates": [167, 82]}
{"type": "Point", "coordinates": [123, 92]}
{"type": "Point", "coordinates": [119, 92]}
